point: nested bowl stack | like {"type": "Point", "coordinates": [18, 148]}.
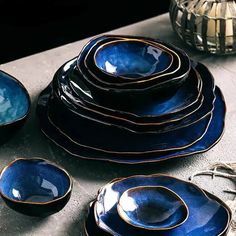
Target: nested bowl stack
{"type": "Point", "coordinates": [158, 204]}
{"type": "Point", "coordinates": [132, 100]}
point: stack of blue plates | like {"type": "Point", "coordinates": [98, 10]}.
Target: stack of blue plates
{"type": "Point", "coordinates": [156, 205]}
{"type": "Point", "coordinates": [132, 100]}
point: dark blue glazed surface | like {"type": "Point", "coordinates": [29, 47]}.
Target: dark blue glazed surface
{"type": "Point", "coordinates": [162, 112]}
{"type": "Point", "coordinates": [206, 216]}
{"type": "Point", "coordinates": [99, 82]}
{"type": "Point", "coordinates": [212, 136]}
{"type": "Point", "coordinates": [35, 187]}
{"type": "Point", "coordinates": [131, 59]}
{"type": "Point", "coordinates": [152, 208]}
{"type": "Point", "coordinates": [33, 181]}
{"type": "Point", "coordinates": [14, 99]}
{"type": "Point", "coordinates": [186, 95]}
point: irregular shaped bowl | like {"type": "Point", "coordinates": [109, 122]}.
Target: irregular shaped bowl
{"type": "Point", "coordinates": [132, 59]}
{"type": "Point", "coordinates": [14, 106]}
{"type": "Point", "coordinates": [146, 86]}
{"type": "Point", "coordinates": [35, 186]}
{"type": "Point", "coordinates": [208, 215]}
{"type": "Point", "coordinates": [152, 208]}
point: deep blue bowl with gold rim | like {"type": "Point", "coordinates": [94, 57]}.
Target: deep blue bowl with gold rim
{"type": "Point", "coordinates": [35, 187]}
{"type": "Point", "coordinates": [152, 85]}
{"type": "Point", "coordinates": [14, 106]}
{"type": "Point", "coordinates": [152, 208]}
{"type": "Point", "coordinates": [132, 59]}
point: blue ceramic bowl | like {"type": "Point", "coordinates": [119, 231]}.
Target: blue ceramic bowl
{"type": "Point", "coordinates": [35, 186]}
{"type": "Point", "coordinates": [14, 106]}
{"type": "Point", "coordinates": [152, 208]}
{"type": "Point", "coordinates": [131, 59]}
{"type": "Point", "coordinates": [208, 215]}
{"type": "Point", "coordinates": [153, 85]}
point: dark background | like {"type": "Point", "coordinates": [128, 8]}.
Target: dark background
{"type": "Point", "coordinates": [29, 26]}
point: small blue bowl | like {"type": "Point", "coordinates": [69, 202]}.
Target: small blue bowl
{"type": "Point", "coordinates": [35, 186]}
{"type": "Point", "coordinates": [131, 59]}
{"type": "Point", "coordinates": [152, 208]}
{"type": "Point", "coordinates": [14, 106]}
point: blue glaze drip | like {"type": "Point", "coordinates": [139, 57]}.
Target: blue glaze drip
{"type": "Point", "coordinates": [14, 101]}
{"type": "Point", "coordinates": [132, 59]}
{"type": "Point", "coordinates": [33, 181]}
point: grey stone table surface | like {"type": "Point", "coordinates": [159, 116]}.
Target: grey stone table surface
{"type": "Point", "coordinates": [36, 71]}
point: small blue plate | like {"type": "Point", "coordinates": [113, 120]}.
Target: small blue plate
{"type": "Point", "coordinates": [161, 124]}
{"type": "Point", "coordinates": [145, 116]}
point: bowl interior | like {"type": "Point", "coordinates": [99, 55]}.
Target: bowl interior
{"type": "Point", "coordinates": [33, 180]}
{"type": "Point", "coordinates": [152, 207]}
{"type": "Point", "coordinates": [131, 59]}
{"type": "Point", "coordinates": [14, 99]}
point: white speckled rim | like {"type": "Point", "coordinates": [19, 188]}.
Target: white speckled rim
{"type": "Point", "coordinates": [43, 160]}
{"type": "Point", "coordinates": [106, 229]}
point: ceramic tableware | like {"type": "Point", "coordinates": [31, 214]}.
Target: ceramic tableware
{"type": "Point", "coordinates": [14, 106]}
{"type": "Point", "coordinates": [207, 214]}
{"type": "Point", "coordinates": [35, 187]}
{"type": "Point", "coordinates": [152, 208]}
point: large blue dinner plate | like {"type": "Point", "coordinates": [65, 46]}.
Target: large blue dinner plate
{"type": "Point", "coordinates": [208, 215]}
{"type": "Point", "coordinates": [211, 137]}
{"type": "Point", "coordinates": [144, 116]}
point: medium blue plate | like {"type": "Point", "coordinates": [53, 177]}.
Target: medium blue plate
{"type": "Point", "coordinates": [82, 111]}
{"type": "Point", "coordinates": [112, 139]}
{"type": "Point", "coordinates": [186, 96]}
{"type": "Point", "coordinates": [213, 135]}
{"type": "Point", "coordinates": [147, 116]}
{"type": "Point", "coordinates": [207, 216]}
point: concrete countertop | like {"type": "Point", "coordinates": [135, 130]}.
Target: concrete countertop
{"type": "Point", "coordinates": [36, 71]}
